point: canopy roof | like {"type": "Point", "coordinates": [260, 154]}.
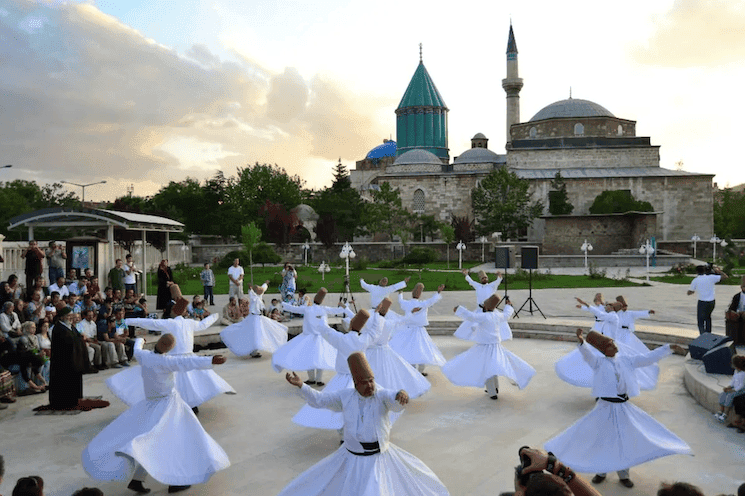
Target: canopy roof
{"type": "Point", "coordinates": [94, 217]}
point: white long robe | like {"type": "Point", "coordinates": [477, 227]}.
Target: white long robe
{"type": "Point", "coordinates": [255, 332]}
{"type": "Point", "coordinates": [615, 436]}
{"type": "Point", "coordinates": [412, 341]}
{"type": "Point", "coordinates": [466, 329]}
{"type": "Point", "coordinates": [161, 433]}
{"type": "Point", "coordinates": [483, 291]}
{"type": "Point", "coordinates": [377, 293]}
{"type": "Point", "coordinates": [487, 358]}
{"type": "Point", "coordinates": [194, 386]}
{"type": "Point", "coordinates": [393, 471]}
{"type": "Point", "coordinates": [308, 350]}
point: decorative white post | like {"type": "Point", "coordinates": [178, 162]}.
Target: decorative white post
{"type": "Point", "coordinates": [323, 269]}
{"type": "Point", "coordinates": [695, 238]}
{"type": "Point", "coordinates": [585, 248]}
{"type": "Point", "coordinates": [460, 247]}
{"type": "Point", "coordinates": [647, 249]}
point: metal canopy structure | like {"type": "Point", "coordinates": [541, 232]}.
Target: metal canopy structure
{"type": "Point", "coordinates": [60, 217]}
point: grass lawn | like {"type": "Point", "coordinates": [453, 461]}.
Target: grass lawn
{"type": "Point", "coordinates": [310, 279]}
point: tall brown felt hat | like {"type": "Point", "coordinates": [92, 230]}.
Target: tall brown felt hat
{"type": "Point", "coordinates": [491, 302]}
{"type": "Point", "coordinates": [596, 339]}
{"type": "Point", "coordinates": [320, 296]}
{"type": "Point", "coordinates": [621, 300]}
{"type": "Point", "coordinates": [180, 307]}
{"type": "Point", "coordinates": [359, 366]}
{"type": "Point", "coordinates": [359, 320]}
{"type": "Point", "coordinates": [417, 291]}
{"type": "Point", "coordinates": [482, 274]}
{"type": "Point", "coordinates": [259, 290]}
{"type": "Point", "coordinates": [175, 292]}
{"type": "Point", "coordinates": [384, 306]}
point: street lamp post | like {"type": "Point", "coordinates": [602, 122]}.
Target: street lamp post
{"type": "Point", "coordinates": [306, 248]}
{"type": "Point", "coordinates": [695, 238]}
{"type": "Point", "coordinates": [714, 241]}
{"type": "Point", "coordinates": [346, 253]}
{"type": "Point", "coordinates": [482, 240]}
{"type": "Point", "coordinates": [460, 247]}
{"type": "Point", "coordinates": [585, 248]}
{"type": "Point", "coordinates": [323, 269]}
{"type": "Point", "coordinates": [647, 249]}
{"type": "Point", "coordinates": [83, 186]}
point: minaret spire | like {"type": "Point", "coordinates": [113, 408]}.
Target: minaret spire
{"type": "Point", "coordinates": [512, 85]}
{"type": "Point", "coordinates": [420, 53]}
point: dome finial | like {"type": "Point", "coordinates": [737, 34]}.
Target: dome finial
{"type": "Point", "coordinates": [570, 92]}
{"type": "Point", "coordinates": [420, 53]}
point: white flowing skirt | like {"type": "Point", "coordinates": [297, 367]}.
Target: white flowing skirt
{"type": "Point", "coordinates": [573, 369]}
{"type": "Point", "coordinates": [164, 436]}
{"type": "Point", "coordinates": [394, 472]}
{"type": "Point", "coordinates": [612, 437]}
{"type": "Point", "coordinates": [416, 347]}
{"type": "Point", "coordinates": [482, 361]}
{"type": "Point", "coordinates": [322, 418]}
{"type": "Point", "coordinates": [305, 352]}
{"type": "Point", "coordinates": [466, 328]}
{"type": "Point", "coordinates": [254, 333]}
{"type": "Point", "coordinates": [194, 386]}
{"type": "Point", "coordinates": [394, 373]}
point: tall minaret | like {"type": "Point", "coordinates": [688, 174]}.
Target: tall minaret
{"type": "Point", "coordinates": [512, 85]}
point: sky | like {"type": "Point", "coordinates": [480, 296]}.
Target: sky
{"type": "Point", "coordinates": [139, 93]}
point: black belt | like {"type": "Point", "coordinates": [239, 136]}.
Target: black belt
{"type": "Point", "coordinates": [598, 320]}
{"type": "Point", "coordinates": [621, 398]}
{"type": "Point", "coordinates": [624, 327]}
{"type": "Point", "coordinates": [370, 449]}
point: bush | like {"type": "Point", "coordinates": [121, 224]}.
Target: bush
{"type": "Point", "coordinates": [386, 264]}
{"type": "Point", "coordinates": [421, 256]}
{"type": "Point", "coordinates": [361, 263]}
{"type": "Point", "coordinates": [265, 254]}
{"type": "Point", "coordinates": [596, 273]}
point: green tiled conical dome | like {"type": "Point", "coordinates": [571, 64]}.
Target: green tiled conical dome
{"type": "Point", "coordinates": [421, 117]}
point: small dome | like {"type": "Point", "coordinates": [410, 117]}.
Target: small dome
{"type": "Point", "coordinates": [479, 136]}
{"type": "Point", "coordinates": [477, 156]}
{"type": "Point", "coordinates": [572, 107]}
{"type": "Point", "coordinates": [387, 149]}
{"type": "Point", "coordinates": [417, 156]}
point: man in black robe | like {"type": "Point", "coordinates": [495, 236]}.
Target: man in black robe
{"type": "Point", "coordinates": [68, 365]}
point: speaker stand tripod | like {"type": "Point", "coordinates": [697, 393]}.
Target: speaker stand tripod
{"type": "Point", "coordinates": [530, 297]}
{"type": "Point", "coordinates": [347, 295]}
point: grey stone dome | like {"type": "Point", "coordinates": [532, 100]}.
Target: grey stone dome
{"type": "Point", "coordinates": [417, 156]}
{"type": "Point", "coordinates": [573, 107]}
{"type": "Point", "coordinates": [477, 156]}
{"type": "Point", "coordinates": [479, 136]}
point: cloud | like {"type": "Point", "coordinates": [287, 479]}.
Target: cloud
{"type": "Point", "coordinates": [85, 97]}
{"type": "Point", "coordinates": [696, 33]}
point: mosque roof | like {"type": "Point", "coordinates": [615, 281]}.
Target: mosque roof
{"type": "Point", "coordinates": [479, 156]}
{"type": "Point", "coordinates": [387, 149]}
{"type": "Point", "coordinates": [417, 156]}
{"type": "Point", "coordinates": [479, 136]}
{"type": "Point", "coordinates": [602, 172]}
{"type": "Point", "coordinates": [572, 107]}
{"type": "Point", "coordinates": [421, 91]}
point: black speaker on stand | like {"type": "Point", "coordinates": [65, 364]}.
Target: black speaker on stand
{"type": "Point", "coordinates": [502, 260]}
{"type": "Point", "coordinates": [529, 257]}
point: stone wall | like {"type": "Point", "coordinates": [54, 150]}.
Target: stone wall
{"type": "Point", "coordinates": [584, 157]}
{"type": "Point", "coordinates": [593, 126]}
{"type": "Point", "coordinates": [606, 233]}
{"type": "Point", "coordinates": [444, 194]}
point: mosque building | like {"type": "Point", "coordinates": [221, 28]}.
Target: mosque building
{"type": "Point", "coordinates": [594, 151]}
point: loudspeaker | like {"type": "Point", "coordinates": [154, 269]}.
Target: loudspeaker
{"type": "Point", "coordinates": [705, 342]}
{"type": "Point", "coordinates": [718, 360]}
{"type": "Point", "coordinates": [502, 257]}
{"type": "Point", "coordinates": [529, 256]}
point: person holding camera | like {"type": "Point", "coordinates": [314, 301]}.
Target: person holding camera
{"type": "Point", "coordinates": [616, 434]}
{"type": "Point", "coordinates": [708, 276]}
{"type": "Point", "coordinates": [540, 473]}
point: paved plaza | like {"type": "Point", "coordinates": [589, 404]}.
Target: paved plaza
{"type": "Point", "coordinates": [468, 440]}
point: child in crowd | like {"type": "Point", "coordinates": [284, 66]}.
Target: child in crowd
{"type": "Point", "coordinates": [199, 311]}
{"type": "Point", "coordinates": [736, 386]}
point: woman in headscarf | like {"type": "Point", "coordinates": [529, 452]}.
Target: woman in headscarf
{"type": "Point", "coordinates": [165, 281]}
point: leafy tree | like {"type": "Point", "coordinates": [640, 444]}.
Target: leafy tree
{"type": "Point", "coordinates": [251, 235]}
{"type": "Point", "coordinates": [265, 254]}
{"type": "Point", "coordinates": [184, 201]}
{"type": "Point", "coordinates": [136, 204]}
{"type": "Point", "coordinates": [386, 214]}
{"type": "Point", "coordinates": [502, 203]}
{"type": "Point", "coordinates": [558, 199]}
{"type": "Point", "coordinates": [419, 257]}
{"type": "Point", "coordinates": [447, 233]}
{"type": "Point", "coordinates": [20, 196]}
{"type": "Point", "coordinates": [338, 208]}
{"type": "Point", "coordinates": [224, 218]}
{"type": "Point", "coordinates": [280, 224]}
{"type": "Point", "coordinates": [729, 213]}
{"type": "Point", "coordinates": [463, 228]}
{"type": "Point", "coordinates": [427, 226]}
{"type": "Point", "coordinates": [618, 202]}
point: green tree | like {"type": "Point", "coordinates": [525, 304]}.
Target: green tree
{"type": "Point", "coordinates": [729, 213]}
{"type": "Point", "coordinates": [185, 202]}
{"type": "Point", "coordinates": [20, 196]}
{"type": "Point", "coordinates": [502, 203]}
{"type": "Point", "coordinates": [447, 233]}
{"type": "Point", "coordinates": [338, 208]}
{"type": "Point", "coordinates": [558, 199]}
{"type": "Point", "coordinates": [618, 202]}
{"type": "Point", "coordinates": [385, 214]}
{"type": "Point", "coordinates": [251, 235]}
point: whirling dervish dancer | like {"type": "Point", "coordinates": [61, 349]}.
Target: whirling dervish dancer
{"type": "Point", "coordinates": [366, 464]}
{"type": "Point", "coordinates": [362, 333]}
{"type": "Point", "coordinates": [626, 335]}
{"type": "Point", "coordinates": [484, 362]}
{"type": "Point", "coordinates": [194, 386]}
{"type": "Point", "coordinates": [159, 435]}
{"type": "Point", "coordinates": [615, 435]}
{"type": "Point", "coordinates": [381, 290]}
{"type": "Point", "coordinates": [484, 289]}
{"type": "Point", "coordinates": [256, 332]}
{"type": "Point", "coordinates": [309, 350]}
{"type": "Point", "coordinates": [411, 340]}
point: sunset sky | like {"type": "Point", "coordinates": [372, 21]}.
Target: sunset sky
{"type": "Point", "coordinates": [144, 92]}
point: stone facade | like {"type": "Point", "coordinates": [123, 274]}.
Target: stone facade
{"type": "Point", "coordinates": [590, 126]}
{"type": "Point", "coordinates": [606, 233]}
{"type": "Point", "coordinates": [570, 157]}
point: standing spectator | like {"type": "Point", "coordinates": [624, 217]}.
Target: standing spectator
{"type": "Point", "coordinates": [34, 261]}
{"type": "Point", "coordinates": [56, 257]}
{"type": "Point", "coordinates": [704, 283]}
{"type": "Point", "coordinates": [68, 365]}
{"type": "Point", "coordinates": [130, 274]}
{"type": "Point", "coordinates": [289, 283]}
{"type": "Point", "coordinates": [235, 274]}
{"type": "Point", "coordinates": [165, 281]}
{"type": "Point", "coordinates": [59, 287]}
{"type": "Point", "coordinates": [208, 281]}
{"type": "Point", "coordinates": [116, 276]}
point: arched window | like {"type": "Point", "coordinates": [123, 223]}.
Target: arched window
{"type": "Point", "coordinates": [620, 130]}
{"type": "Point", "coordinates": [418, 201]}
{"type": "Point", "coordinates": [533, 132]}
{"type": "Point", "coordinates": [579, 129]}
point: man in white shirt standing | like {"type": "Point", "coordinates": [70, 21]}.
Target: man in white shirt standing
{"type": "Point", "coordinates": [130, 274]}
{"type": "Point", "coordinates": [704, 284]}
{"type": "Point", "coordinates": [235, 274]}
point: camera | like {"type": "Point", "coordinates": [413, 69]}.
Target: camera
{"type": "Point", "coordinates": [525, 462]}
{"type": "Point", "coordinates": [709, 268]}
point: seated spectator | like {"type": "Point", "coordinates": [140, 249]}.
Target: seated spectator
{"type": "Point", "coordinates": [116, 301]}
{"type": "Point", "coordinates": [112, 345]}
{"type": "Point", "coordinates": [124, 332]}
{"type": "Point", "coordinates": [75, 305]}
{"type": "Point", "coordinates": [45, 341]}
{"type": "Point", "coordinates": [5, 294]}
{"type": "Point", "coordinates": [19, 307]}
{"type": "Point", "coordinates": [275, 314]}
{"type": "Point", "coordinates": [199, 311]}
{"type": "Point", "coordinates": [130, 301]}
{"type": "Point", "coordinates": [276, 304]}
{"type": "Point", "coordinates": [141, 309]}
{"type": "Point", "coordinates": [10, 326]}
{"type": "Point", "coordinates": [28, 366]}
{"type": "Point", "coordinates": [33, 485]}
{"type": "Point", "coordinates": [40, 284]}
{"type": "Point", "coordinates": [244, 307]}
{"type": "Point", "coordinates": [16, 288]}
{"type": "Point", "coordinates": [191, 305]}
{"type": "Point", "coordinates": [231, 313]}
{"type": "Point", "coordinates": [72, 275]}
{"type": "Point", "coordinates": [95, 291]}
{"type": "Point", "coordinates": [89, 331]}
{"type": "Point", "coordinates": [35, 309]}
{"type": "Point", "coordinates": [679, 489]}
{"type": "Point", "coordinates": [89, 304]}
{"type": "Point", "coordinates": [78, 287]}
{"type": "Point", "coordinates": [88, 491]}
{"type": "Point", "coordinates": [31, 341]}
{"type": "Point", "coordinates": [105, 310]}
{"type": "Point", "coordinates": [51, 305]}
{"type": "Point", "coordinates": [59, 287]}
{"type": "Point", "coordinates": [736, 387]}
